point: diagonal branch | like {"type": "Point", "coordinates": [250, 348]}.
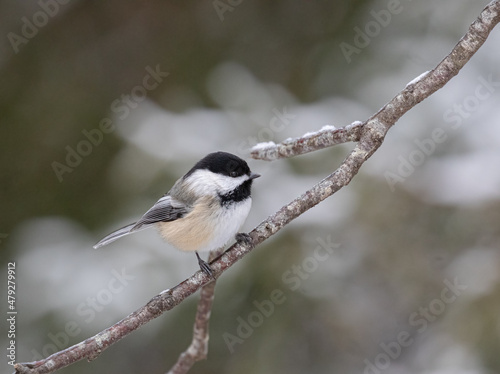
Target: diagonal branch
{"type": "Point", "coordinates": [198, 348]}
{"type": "Point", "coordinates": [371, 137]}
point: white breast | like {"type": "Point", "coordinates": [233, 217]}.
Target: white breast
{"type": "Point", "coordinates": [228, 224]}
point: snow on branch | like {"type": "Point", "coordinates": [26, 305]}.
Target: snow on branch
{"type": "Point", "coordinates": [327, 136]}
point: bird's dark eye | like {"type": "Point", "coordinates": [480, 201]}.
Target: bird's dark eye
{"type": "Point", "coordinates": [233, 174]}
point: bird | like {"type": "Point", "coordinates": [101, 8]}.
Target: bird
{"type": "Point", "coordinates": [203, 210]}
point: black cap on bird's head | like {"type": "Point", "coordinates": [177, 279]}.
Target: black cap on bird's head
{"type": "Point", "coordinates": [223, 163]}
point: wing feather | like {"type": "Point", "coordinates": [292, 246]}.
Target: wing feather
{"type": "Point", "coordinates": [164, 210]}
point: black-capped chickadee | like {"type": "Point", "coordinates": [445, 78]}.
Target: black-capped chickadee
{"type": "Point", "coordinates": [204, 209]}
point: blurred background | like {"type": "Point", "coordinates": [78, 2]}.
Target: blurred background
{"type": "Point", "coordinates": [103, 105]}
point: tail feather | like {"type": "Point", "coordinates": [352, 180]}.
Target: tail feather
{"type": "Point", "coordinates": [129, 229]}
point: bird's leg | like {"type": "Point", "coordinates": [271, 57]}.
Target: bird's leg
{"type": "Point", "coordinates": [204, 266]}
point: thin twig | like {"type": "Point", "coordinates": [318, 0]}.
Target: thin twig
{"type": "Point", "coordinates": [305, 144]}
{"type": "Point", "coordinates": [198, 349]}
{"type": "Point", "coordinates": [371, 137]}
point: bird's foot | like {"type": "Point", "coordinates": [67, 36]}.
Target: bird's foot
{"type": "Point", "coordinates": [204, 266]}
{"type": "Point", "coordinates": [243, 237]}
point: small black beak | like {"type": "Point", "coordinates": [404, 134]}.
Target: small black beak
{"type": "Point", "coordinates": [254, 175]}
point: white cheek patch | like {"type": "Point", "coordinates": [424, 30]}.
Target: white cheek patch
{"type": "Point", "coordinates": [227, 184]}
{"type": "Point", "coordinates": [203, 182]}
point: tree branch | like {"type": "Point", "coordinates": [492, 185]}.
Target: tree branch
{"type": "Point", "coordinates": [326, 137]}
{"type": "Point", "coordinates": [198, 348]}
{"type": "Point", "coordinates": [372, 134]}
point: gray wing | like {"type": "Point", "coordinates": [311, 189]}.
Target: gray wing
{"type": "Point", "coordinates": [164, 210]}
